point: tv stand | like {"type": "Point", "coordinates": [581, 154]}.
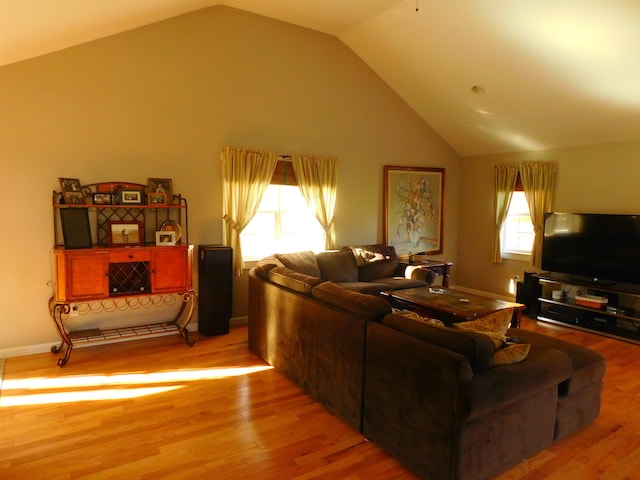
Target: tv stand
{"type": "Point", "coordinates": [621, 320]}
{"type": "Point", "coordinates": [591, 281]}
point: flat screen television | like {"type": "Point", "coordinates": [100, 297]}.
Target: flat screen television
{"type": "Point", "coordinates": [601, 248]}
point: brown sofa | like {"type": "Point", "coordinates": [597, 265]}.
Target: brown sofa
{"type": "Point", "coordinates": [428, 395]}
{"type": "Point", "coordinates": [435, 402]}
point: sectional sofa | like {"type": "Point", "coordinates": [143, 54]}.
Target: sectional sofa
{"type": "Point", "coordinates": [429, 395]}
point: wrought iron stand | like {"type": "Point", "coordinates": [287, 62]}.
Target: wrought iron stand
{"type": "Point", "coordinates": [60, 311]}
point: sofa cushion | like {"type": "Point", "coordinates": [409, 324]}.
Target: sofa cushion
{"type": "Point", "coordinates": [377, 261]}
{"type": "Point", "coordinates": [368, 306]}
{"type": "Point", "coordinates": [588, 366]}
{"type": "Point", "coordinates": [372, 288]}
{"type": "Point", "coordinates": [477, 347]}
{"type": "Point", "coordinates": [302, 262]}
{"type": "Point", "coordinates": [288, 278]}
{"type": "Point", "coordinates": [337, 266]}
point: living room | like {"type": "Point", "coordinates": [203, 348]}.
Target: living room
{"type": "Point", "coordinates": [162, 100]}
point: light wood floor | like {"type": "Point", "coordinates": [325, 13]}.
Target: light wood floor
{"type": "Point", "coordinates": [215, 411]}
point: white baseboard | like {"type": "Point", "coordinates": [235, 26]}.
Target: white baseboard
{"type": "Point", "coordinates": [46, 347]}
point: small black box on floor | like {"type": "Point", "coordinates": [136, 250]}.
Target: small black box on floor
{"type": "Point", "coordinates": [215, 277]}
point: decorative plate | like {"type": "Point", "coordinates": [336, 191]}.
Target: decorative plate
{"type": "Point", "coordinates": [172, 226]}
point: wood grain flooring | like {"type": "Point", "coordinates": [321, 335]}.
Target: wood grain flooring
{"type": "Point", "coordinates": [157, 409]}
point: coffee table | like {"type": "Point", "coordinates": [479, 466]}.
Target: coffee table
{"type": "Point", "coordinates": [449, 305]}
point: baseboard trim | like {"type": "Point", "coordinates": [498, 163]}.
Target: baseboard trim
{"type": "Point", "coordinates": [46, 347]}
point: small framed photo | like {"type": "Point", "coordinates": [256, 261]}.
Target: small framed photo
{"type": "Point", "coordinates": [161, 185]}
{"type": "Point", "coordinates": [102, 199]}
{"type": "Point", "coordinates": [165, 239]}
{"type": "Point", "coordinates": [156, 198]}
{"type": "Point", "coordinates": [125, 233]}
{"type": "Point", "coordinates": [71, 191]}
{"type": "Point", "coordinates": [130, 197]}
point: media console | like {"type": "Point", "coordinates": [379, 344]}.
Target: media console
{"type": "Point", "coordinates": [612, 310]}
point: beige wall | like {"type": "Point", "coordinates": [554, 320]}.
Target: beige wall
{"type": "Point", "coordinates": [595, 179]}
{"type": "Point", "coordinates": [160, 101]}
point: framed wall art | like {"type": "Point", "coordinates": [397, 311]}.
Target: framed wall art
{"type": "Point", "coordinates": [125, 233]}
{"type": "Point", "coordinates": [413, 209]}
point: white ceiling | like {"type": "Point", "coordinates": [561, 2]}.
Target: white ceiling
{"type": "Point", "coordinates": [556, 73]}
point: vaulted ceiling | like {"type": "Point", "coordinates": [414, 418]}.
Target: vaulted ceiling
{"type": "Point", "coordinates": [549, 73]}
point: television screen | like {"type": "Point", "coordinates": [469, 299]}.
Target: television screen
{"type": "Point", "coordinates": [600, 247]}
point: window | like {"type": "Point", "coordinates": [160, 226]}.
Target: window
{"type": "Point", "coordinates": [517, 231]}
{"type": "Point", "coordinates": [283, 224]}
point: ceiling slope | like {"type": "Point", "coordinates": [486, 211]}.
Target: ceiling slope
{"type": "Point", "coordinates": [555, 73]}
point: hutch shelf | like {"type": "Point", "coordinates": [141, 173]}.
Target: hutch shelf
{"type": "Point", "coordinates": [96, 272]}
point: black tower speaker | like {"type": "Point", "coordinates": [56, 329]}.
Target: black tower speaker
{"type": "Point", "coordinates": [214, 289]}
{"type": "Point", "coordinates": [528, 293]}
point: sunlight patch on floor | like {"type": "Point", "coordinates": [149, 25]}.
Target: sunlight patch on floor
{"type": "Point", "coordinates": [99, 387]}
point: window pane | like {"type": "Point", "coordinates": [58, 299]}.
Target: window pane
{"type": "Point", "coordinates": [283, 224]}
{"type": "Point", "coordinates": [517, 231]}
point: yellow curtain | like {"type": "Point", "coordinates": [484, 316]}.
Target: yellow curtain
{"type": "Point", "coordinates": [505, 182]}
{"type": "Point", "coordinates": [246, 174]}
{"type": "Point", "coordinates": [317, 179]}
{"type": "Point", "coordinates": [537, 182]}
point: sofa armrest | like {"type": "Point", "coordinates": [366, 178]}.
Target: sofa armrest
{"type": "Point", "coordinates": [505, 384]}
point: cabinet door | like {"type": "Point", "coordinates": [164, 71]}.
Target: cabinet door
{"type": "Point", "coordinates": [171, 270]}
{"type": "Point", "coordinates": [85, 275]}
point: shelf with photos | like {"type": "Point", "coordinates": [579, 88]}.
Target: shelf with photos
{"type": "Point", "coordinates": [119, 214]}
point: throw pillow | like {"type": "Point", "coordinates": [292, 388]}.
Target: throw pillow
{"type": "Point", "coordinates": [382, 262]}
{"type": "Point", "coordinates": [511, 353]}
{"type": "Point", "coordinates": [494, 325]}
{"type": "Point", "coordinates": [302, 262]}
{"type": "Point", "coordinates": [364, 256]}
{"type": "Point", "coordinates": [414, 316]}
{"type": "Point", "coordinates": [337, 266]}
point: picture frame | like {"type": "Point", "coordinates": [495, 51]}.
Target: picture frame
{"type": "Point", "coordinates": [100, 198]}
{"type": "Point", "coordinates": [414, 209]}
{"type": "Point", "coordinates": [156, 198]}
{"type": "Point", "coordinates": [165, 239]}
{"type": "Point", "coordinates": [76, 229]}
{"type": "Point", "coordinates": [71, 191]}
{"type": "Point", "coordinates": [125, 233]}
{"type": "Point", "coordinates": [161, 185]}
{"type": "Point", "coordinates": [130, 197]}
{"type": "Point", "coordinates": [172, 226]}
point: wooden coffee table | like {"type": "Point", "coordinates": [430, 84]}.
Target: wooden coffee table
{"type": "Point", "coordinates": [450, 306]}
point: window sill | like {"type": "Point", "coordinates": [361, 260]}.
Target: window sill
{"type": "Point", "coordinates": [520, 257]}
